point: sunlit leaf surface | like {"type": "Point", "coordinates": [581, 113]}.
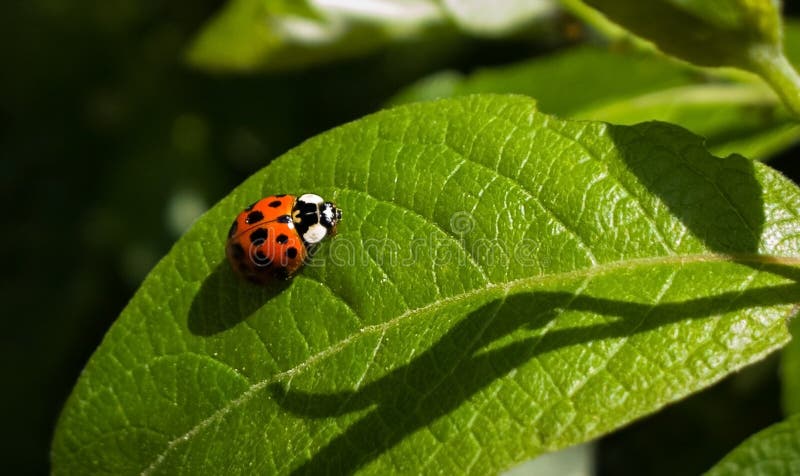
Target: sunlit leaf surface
{"type": "Point", "coordinates": [503, 284]}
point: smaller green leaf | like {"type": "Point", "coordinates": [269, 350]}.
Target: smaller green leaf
{"type": "Point", "coordinates": [742, 33]}
{"type": "Point", "coordinates": [774, 451]}
{"type": "Point", "coordinates": [627, 88]}
{"type": "Point", "coordinates": [736, 118]}
{"type": "Point", "coordinates": [563, 83]}
{"type": "Point", "coordinates": [790, 371]}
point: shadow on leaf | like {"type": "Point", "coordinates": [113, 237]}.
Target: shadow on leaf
{"type": "Point", "coordinates": [718, 199]}
{"type": "Point", "coordinates": [473, 354]}
{"type": "Point", "coordinates": [224, 300]}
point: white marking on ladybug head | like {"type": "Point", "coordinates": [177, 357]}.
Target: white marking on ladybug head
{"type": "Point", "coordinates": [315, 233]}
{"type": "Point", "coordinates": [311, 198]}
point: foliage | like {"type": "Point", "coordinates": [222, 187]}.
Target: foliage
{"type": "Point", "coordinates": [627, 87]}
{"type": "Point", "coordinates": [558, 292]}
{"type": "Point", "coordinates": [114, 147]}
{"type": "Point", "coordinates": [790, 371]}
{"type": "Point", "coordinates": [773, 451]}
{"type": "Point", "coordinates": [747, 34]}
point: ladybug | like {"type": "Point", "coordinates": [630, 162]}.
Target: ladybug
{"type": "Point", "coordinates": [273, 237]}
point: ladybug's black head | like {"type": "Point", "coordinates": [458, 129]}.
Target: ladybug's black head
{"type": "Point", "coordinates": [329, 215]}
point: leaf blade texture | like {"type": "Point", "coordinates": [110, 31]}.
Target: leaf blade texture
{"type": "Point", "coordinates": [566, 278]}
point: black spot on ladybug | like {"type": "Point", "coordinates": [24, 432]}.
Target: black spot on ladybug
{"type": "Point", "coordinates": [259, 235]}
{"type": "Point", "coordinates": [261, 259]}
{"type": "Point", "coordinates": [250, 207]}
{"type": "Point", "coordinates": [254, 217]}
{"type": "Point", "coordinates": [234, 226]}
{"type": "Point", "coordinates": [237, 251]}
{"type": "Point", "coordinates": [275, 204]}
{"type": "Point", "coordinates": [284, 219]}
{"type": "Point", "coordinates": [291, 252]}
{"type": "Point", "coordinates": [282, 239]}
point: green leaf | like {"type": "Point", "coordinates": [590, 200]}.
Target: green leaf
{"type": "Point", "coordinates": [791, 40]}
{"type": "Point", "coordinates": [790, 371]}
{"type": "Point", "coordinates": [736, 118]}
{"type": "Point", "coordinates": [742, 33]}
{"type": "Point", "coordinates": [504, 284]}
{"type": "Point", "coordinates": [569, 81]}
{"type": "Point", "coordinates": [774, 451]}
{"type": "Point", "coordinates": [628, 88]}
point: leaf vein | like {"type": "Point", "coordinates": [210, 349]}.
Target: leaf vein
{"type": "Point", "coordinates": [489, 288]}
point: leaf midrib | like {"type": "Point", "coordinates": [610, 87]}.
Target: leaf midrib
{"type": "Point", "coordinates": [504, 288]}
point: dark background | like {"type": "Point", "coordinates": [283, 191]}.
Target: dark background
{"type": "Point", "coordinates": [111, 146]}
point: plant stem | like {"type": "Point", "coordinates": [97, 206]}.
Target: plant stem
{"type": "Point", "coordinates": [771, 64]}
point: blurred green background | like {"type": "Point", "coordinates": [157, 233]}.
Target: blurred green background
{"type": "Point", "coordinates": [112, 146]}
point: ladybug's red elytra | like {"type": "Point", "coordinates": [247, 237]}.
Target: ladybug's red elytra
{"type": "Point", "coordinates": [273, 237]}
